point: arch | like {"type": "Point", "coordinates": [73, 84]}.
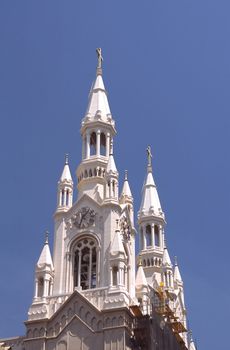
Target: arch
{"type": "Point", "coordinates": [148, 262]}
{"type": "Point", "coordinates": [120, 320]}
{"type": "Point", "coordinates": [148, 236]}
{"type": "Point", "coordinates": [29, 333]}
{"type": "Point", "coordinates": [108, 322]}
{"type": "Point", "coordinates": [93, 322]}
{"type": "Point", "coordinates": [93, 140]}
{"type": "Point", "coordinates": [86, 174]}
{"type": "Point", "coordinates": [50, 332]}
{"type": "Point", "coordinates": [88, 317]}
{"type": "Point", "coordinates": [42, 332]}
{"type": "Point", "coordinates": [90, 173]}
{"type": "Point", "coordinates": [115, 275]}
{"type": "Point", "coordinates": [35, 333]}
{"type": "Point", "coordinates": [81, 311]}
{"type": "Point", "coordinates": [152, 262]}
{"type": "Point", "coordinates": [63, 321]}
{"type": "Point", "coordinates": [144, 262]}
{"type": "Point", "coordinates": [156, 236]}
{"type": "Point", "coordinates": [99, 325]}
{"type": "Point", "coordinates": [95, 172]}
{"type": "Point", "coordinates": [114, 321]}
{"type": "Point", "coordinates": [103, 144]}
{"type": "Point", "coordinates": [57, 328]}
{"type": "Point", "coordinates": [70, 313]}
{"type": "Point", "coordinates": [85, 262]}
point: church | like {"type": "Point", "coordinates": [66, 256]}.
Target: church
{"type": "Point", "coordinates": [93, 292]}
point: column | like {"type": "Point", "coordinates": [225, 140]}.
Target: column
{"type": "Point", "coordinates": [79, 270]}
{"type": "Point", "coordinates": [90, 268]}
{"type": "Point", "coordinates": [87, 145]}
{"type": "Point", "coordinates": [98, 143]}
{"type": "Point", "coordinates": [107, 144]}
{"type": "Point", "coordinates": [36, 288]}
{"type": "Point", "coordinates": [144, 238]}
{"type": "Point", "coordinates": [83, 147]}
{"type": "Point", "coordinates": [161, 236]}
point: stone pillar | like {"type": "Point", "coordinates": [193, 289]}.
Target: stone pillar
{"type": "Point", "coordinates": [87, 145]}
{"type": "Point", "coordinates": [107, 144]}
{"type": "Point", "coordinates": [98, 143]}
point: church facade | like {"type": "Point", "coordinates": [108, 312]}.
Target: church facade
{"type": "Point", "coordinates": [93, 292]}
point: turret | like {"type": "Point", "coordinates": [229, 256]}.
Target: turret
{"type": "Point", "coordinates": [65, 189]}
{"type": "Point", "coordinates": [142, 289]}
{"type": "Point", "coordinates": [167, 271]}
{"type": "Point", "coordinates": [111, 179]}
{"type": "Point", "coordinates": [126, 198]}
{"type": "Point", "coordinates": [44, 273]}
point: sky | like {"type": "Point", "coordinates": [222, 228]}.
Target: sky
{"type": "Point", "coordinates": [166, 68]}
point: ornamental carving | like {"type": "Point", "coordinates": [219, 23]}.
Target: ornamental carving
{"type": "Point", "coordinates": [125, 228]}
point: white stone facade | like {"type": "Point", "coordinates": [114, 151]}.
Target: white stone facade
{"type": "Point", "coordinates": [85, 292]}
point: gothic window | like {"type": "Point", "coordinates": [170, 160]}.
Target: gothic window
{"type": "Point", "coordinates": [62, 197]}
{"type": "Point", "coordinates": [85, 264]}
{"type": "Point", "coordinates": [93, 139]}
{"type": "Point", "coordinates": [67, 198]}
{"type": "Point", "coordinates": [148, 235]}
{"type": "Point", "coordinates": [40, 287]}
{"type": "Point", "coordinates": [156, 236]}
{"type": "Point", "coordinates": [103, 144]}
{"type": "Point", "coordinates": [114, 273]}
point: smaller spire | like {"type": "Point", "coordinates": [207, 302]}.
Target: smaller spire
{"type": "Point", "coordinates": [111, 166]}
{"type": "Point", "coordinates": [166, 261]}
{"type": "Point", "coordinates": [177, 275]}
{"type": "Point", "coordinates": [126, 192]}
{"type": "Point", "coordinates": [66, 175]}
{"type": "Point", "coordinates": [45, 258]}
{"type": "Point", "coordinates": [141, 280]}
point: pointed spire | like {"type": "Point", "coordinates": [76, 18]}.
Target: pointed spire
{"type": "Point", "coordinates": [141, 280]}
{"type": "Point", "coordinates": [177, 275]}
{"type": "Point", "coordinates": [98, 105]}
{"type": "Point", "coordinates": [45, 259]}
{"type": "Point", "coordinates": [126, 192]}
{"type": "Point", "coordinates": [150, 203]}
{"type": "Point", "coordinates": [111, 166]}
{"type": "Point", "coordinates": [117, 246]}
{"type": "Point", "coordinates": [166, 261]}
{"type": "Point", "coordinates": [66, 175]}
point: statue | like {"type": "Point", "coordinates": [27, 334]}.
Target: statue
{"type": "Point", "coordinates": [100, 58]}
{"type": "Point", "coordinates": [149, 153]}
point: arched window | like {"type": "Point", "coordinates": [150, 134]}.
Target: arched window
{"type": "Point", "coordinates": [40, 287]}
{"type": "Point", "coordinates": [114, 272]}
{"type": "Point", "coordinates": [148, 236]}
{"type": "Point", "coordinates": [156, 236]}
{"type": "Point", "coordinates": [93, 139]}
{"type": "Point", "coordinates": [85, 264]}
{"type": "Point", "coordinates": [103, 144]}
{"type": "Point", "coordinates": [67, 198]}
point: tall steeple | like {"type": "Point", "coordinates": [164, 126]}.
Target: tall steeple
{"type": "Point", "coordinates": [97, 131]}
{"type": "Point", "coordinates": [151, 224]}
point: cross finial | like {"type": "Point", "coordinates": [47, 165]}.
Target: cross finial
{"type": "Point", "coordinates": [149, 154]}
{"type": "Point", "coordinates": [46, 237]}
{"type": "Point", "coordinates": [175, 260]}
{"type": "Point", "coordinates": [66, 158]}
{"type": "Point", "coordinates": [126, 174]}
{"type": "Point", "coordinates": [100, 60]}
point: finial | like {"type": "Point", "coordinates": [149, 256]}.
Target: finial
{"type": "Point", "coordinates": [149, 154]}
{"type": "Point", "coordinates": [126, 175]}
{"type": "Point", "coordinates": [66, 159]}
{"type": "Point", "coordinates": [100, 60]}
{"type": "Point", "coordinates": [111, 148]}
{"type": "Point", "coordinates": [175, 260]}
{"type": "Point", "coordinates": [46, 237]}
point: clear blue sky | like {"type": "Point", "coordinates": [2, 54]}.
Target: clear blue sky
{"type": "Point", "coordinates": [167, 71]}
